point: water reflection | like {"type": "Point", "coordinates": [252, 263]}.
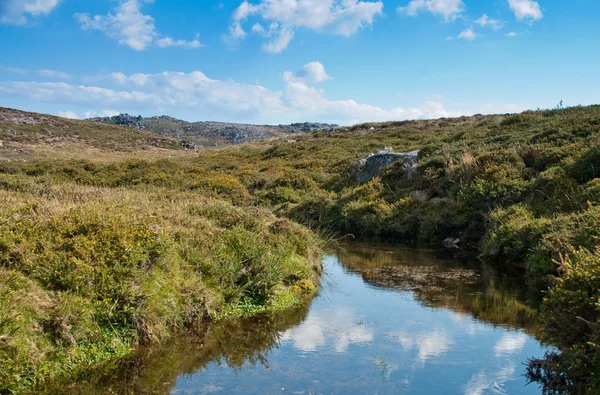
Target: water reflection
{"type": "Point", "coordinates": [335, 327]}
{"type": "Point", "coordinates": [387, 321]}
{"type": "Point", "coordinates": [464, 285]}
{"type": "Point", "coordinates": [510, 343]}
{"type": "Point", "coordinates": [231, 345]}
{"type": "Point", "coordinates": [429, 345]}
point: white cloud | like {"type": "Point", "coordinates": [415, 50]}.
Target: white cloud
{"type": "Point", "coordinates": [485, 21]}
{"type": "Point", "coordinates": [13, 70]}
{"type": "Point", "coordinates": [129, 26]}
{"type": "Point", "coordinates": [343, 17]}
{"type": "Point", "coordinates": [244, 10]}
{"type": "Point", "coordinates": [18, 12]}
{"type": "Point", "coordinates": [257, 28]}
{"type": "Point", "coordinates": [205, 98]}
{"type": "Point", "coordinates": [449, 9]}
{"type": "Point", "coordinates": [278, 37]}
{"type": "Point", "coordinates": [526, 9]}
{"type": "Point", "coordinates": [307, 99]}
{"type": "Point", "coordinates": [312, 72]}
{"type": "Point", "coordinates": [280, 42]}
{"type": "Point", "coordinates": [468, 34]}
{"type": "Point", "coordinates": [166, 42]}
{"type": "Point", "coordinates": [53, 74]}
{"type": "Point", "coordinates": [236, 31]}
{"type": "Point", "coordinates": [67, 114]}
{"type": "Point", "coordinates": [42, 73]}
{"type": "Point", "coordinates": [103, 113]}
{"type": "Point", "coordinates": [310, 100]}
{"type": "Point", "coordinates": [512, 34]}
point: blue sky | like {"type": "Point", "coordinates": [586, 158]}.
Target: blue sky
{"type": "Point", "coordinates": [279, 61]}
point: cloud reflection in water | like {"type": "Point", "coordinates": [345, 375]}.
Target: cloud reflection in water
{"type": "Point", "coordinates": [337, 328]}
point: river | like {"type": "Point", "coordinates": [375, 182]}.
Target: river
{"type": "Point", "coordinates": [387, 321]}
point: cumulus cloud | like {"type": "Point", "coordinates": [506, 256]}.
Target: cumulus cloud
{"type": "Point", "coordinates": [449, 9]}
{"type": "Point", "coordinates": [129, 26]}
{"type": "Point", "coordinates": [312, 72]}
{"type": "Point", "coordinates": [468, 34]}
{"type": "Point", "coordinates": [485, 21]}
{"type": "Point", "coordinates": [311, 100]}
{"type": "Point", "coordinates": [279, 42]}
{"type": "Point", "coordinates": [343, 17]}
{"type": "Point", "coordinates": [207, 98]}
{"type": "Point", "coordinates": [526, 9]}
{"type": "Point", "coordinates": [19, 12]}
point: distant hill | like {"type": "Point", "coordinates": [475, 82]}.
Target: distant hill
{"type": "Point", "coordinates": [21, 132]}
{"type": "Point", "coordinates": [211, 133]}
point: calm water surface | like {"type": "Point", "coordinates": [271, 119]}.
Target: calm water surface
{"type": "Point", "coordinates": [387, 321]}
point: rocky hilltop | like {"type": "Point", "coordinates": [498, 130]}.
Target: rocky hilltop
{"type": "Point", "coordinates": [193, 134]}
{"type": "Point", "coordinates": [23, 135]}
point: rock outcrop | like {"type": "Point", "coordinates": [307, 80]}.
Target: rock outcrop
{"type": "Point", "coordinates": [211, 133]}
{"type": "Point", "coordinates": [188, 145]}
{"type": "Point", "coordinates": [308, 127]}
{"type": "Point", "coordinates": [373, 165]}
{"type": "Point", "coordinates": [123, 120]}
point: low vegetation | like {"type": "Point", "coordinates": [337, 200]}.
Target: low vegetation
{"type": "Point", "coordinates": [523, 189]}
{"type": "Point", "coordinates": [87, 273]}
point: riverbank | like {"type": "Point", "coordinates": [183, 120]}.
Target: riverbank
{"type": "Point", "coordinates": [522, 189]}
{"type": "Point", "coordinates": [87, 273]}
{"type": "Point", "coordinates": [386, 320]}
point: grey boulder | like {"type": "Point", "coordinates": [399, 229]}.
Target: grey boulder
{"type": "Point", "coordinates": [373, 165]}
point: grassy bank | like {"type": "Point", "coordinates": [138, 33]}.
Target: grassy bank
{"type": "Point", "coordinates": [88, 273]}
{"type": "Point", "coordinates": [523, 189]}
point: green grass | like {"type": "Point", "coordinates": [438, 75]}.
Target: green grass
{"type": "Point", "coordinates": [89, 273]}
{"type": "Point", "coordinates": [523, 189]}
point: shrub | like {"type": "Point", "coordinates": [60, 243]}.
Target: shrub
{"type": "Point", "coordinates": [222, 186]}
{"type": "Point", "coordinates": [554, 191]}
{"type": "Point", "coordinates": [566, 233]}
{"type": "Point", "coordinates": [587, 167]}
{"type": "Point", "coordinates": [281, 195]}
{"type": "Point", "coordinates": [513, 234]}
{"type": "Point", "coordinates": [553, 156]}
{"type": "Point", "coordinates": [295, 180]}
{"type": "Point", "coordinates": [571, 312]}
{"type": "Point", "coordinates": [591, 191]}
{"type": "Point", "coordinates": [96, 253]}
{"type": "Point", "coordinates": [484, 195]}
